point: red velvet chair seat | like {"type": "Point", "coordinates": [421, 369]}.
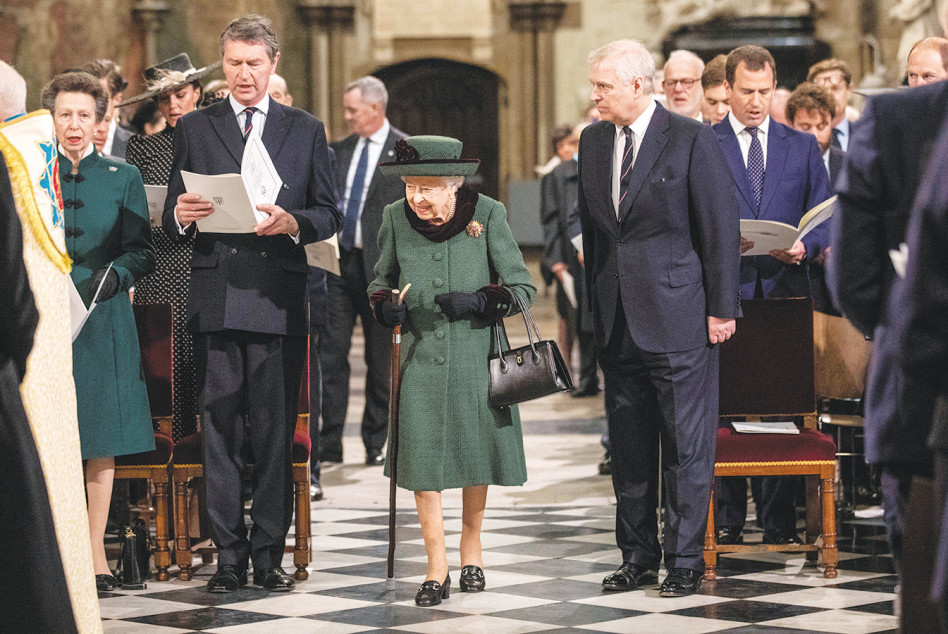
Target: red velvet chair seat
{"type": "Point", "coordinates": [808, 445]}
{"type": "Point", "coordinates": [189, 449]}
{"type": "Point", "coordinates": [160, 456]}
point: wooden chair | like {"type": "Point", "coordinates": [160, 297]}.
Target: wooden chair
{"type": "Point", "coordinates": [188, 464]}
{"type": "Point", "coordinates": [767, 369]}
{"type": "Point", "coordinates": [154, 323]}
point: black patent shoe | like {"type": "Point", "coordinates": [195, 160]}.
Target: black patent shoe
{"type": "Point", "coordinates": [629, 576]}
{"type": "Point", "coordinates": [431, 592]}
{"type": "Point", "coordinates": [106, 583]}
{"type": "Point", "coordinates": [681, 582]}
{"type": "Point", "coordinates": [274, 579]}
{"type": "Point", "coordinates": [472, 579]}
{"type": "Point", "coordinates": [228, 578]}
{"type": "Point", "coordinates": [728, 536]}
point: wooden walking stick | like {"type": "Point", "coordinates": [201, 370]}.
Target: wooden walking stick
{"type": "Point", "coordinates": [397, 297]}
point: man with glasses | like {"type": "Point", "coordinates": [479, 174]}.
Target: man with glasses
{"type": "Point", "coordinates": [682, 84]}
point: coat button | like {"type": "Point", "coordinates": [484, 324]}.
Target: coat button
{"type": "Point", "coordinates": [233, 251]}
{"type": "Point", "coordinates": [437, 282]}
{"type": "Point", "coordinates": [439, 360]}
{"type": "Point", "coordinates": [436, 257]}
{"type": "Point", "coordinates": [263, 254]}
{"type": "Point", "coordinates": [439, 334]}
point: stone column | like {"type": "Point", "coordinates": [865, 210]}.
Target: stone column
{"type": "Point", "coordinates": [149, 14]}
{"type": "Point", "coordinates": [327, 22]}
{"type": "Point", "coordinates": [536, 20]}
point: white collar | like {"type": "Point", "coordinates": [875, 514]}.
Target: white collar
{"type": "Point", "coordinates": [739, 127]}
{"type": "Point", "coordinates": [640, 125]}
{"type": "Point", "coordinates": [263, 105]}
{"type": "Point", "coordinates": [379, 136]}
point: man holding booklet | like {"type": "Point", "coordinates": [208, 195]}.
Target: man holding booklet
{"type": "Point", "coordinates": [247, 299]}
{"type": "Point", "coordinates": [779, 175]}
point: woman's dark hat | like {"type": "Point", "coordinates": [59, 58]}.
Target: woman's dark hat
{"type": "Point", "coordinates": [170, 75]}
{"type": "Point", "coordinates": [429, 155]}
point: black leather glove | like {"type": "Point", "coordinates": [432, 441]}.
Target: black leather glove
{"type": "Point", "coordinates": [109, 288]}
{"type": "Point", "coordinates": [390, 314]}
{"type": "Point", "coordinates": [459, 305]}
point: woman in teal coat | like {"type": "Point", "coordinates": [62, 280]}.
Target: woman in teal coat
{"type": "Point", "coordinates": [454, 247]}
{"type": "Point", "coordinates": [108, 237]}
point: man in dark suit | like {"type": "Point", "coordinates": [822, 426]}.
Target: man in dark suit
{"type": "Point", "coordinates": [890, 149]}
{"type": "Point", "coordinates": [365, 193]}
{"type": "Point", "coordinates": [779, 175]}
{"type": "Point", "coordinates": [660, 244]}
{"type": "Point", "coordinates": [247, 300]}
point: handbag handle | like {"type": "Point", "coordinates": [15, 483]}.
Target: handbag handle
{"type": "Point", "coordinates": [528, 322]}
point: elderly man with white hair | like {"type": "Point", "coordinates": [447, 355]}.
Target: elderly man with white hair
{"type": "Point", "coordinates": [682, 83]}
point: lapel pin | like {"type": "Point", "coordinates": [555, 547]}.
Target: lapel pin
{"type": "Point", "coordinates": [112, 168]}
{"type": "Point", "coordinates": [391, 152]}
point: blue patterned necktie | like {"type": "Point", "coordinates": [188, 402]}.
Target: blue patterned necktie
{"type": "Point", "coordinates": [248, 121]}
{"type": "Point", "coordinates": [626, 169]}
{"type": "Point", "coordinates": [755, 165]}
{"type": "Point", "coordinates": [347, 239]}
{"type": "Point", "coordinates": [836, 142]}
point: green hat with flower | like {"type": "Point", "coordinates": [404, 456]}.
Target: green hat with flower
{"type": "Point", "coordinates": [429, 155]}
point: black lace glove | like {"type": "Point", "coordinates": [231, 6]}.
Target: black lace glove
{"type": "Point", "coordinates": [109, 288]}
{"type": "Point", "coordinates": [458, 305]}
{"type": "Point", "coordinates": [387, 312]}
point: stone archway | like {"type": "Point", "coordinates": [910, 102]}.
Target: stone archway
{"type": "Point", "coordinates": [440, 96]}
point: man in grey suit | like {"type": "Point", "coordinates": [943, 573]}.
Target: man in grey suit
{"type": "Point", "coordinates": [661, 248]}
{"type": "Point", "coordinates": [365, 192]}
{"type": "Point", "coordinates": [247, 300]}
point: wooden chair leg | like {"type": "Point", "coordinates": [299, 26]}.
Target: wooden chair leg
{"type": "Point", "coordinates": [182, 539]}
{"type": "Point", "coordinates": [162, 537]}
{"type": "Point", "coordinates": [301, 552]}
{"type": "Point", "coordinates": [813, 511]}
{"type": "Point", "coordinates": [710, 545]}
{"type": "Point", "coordinates": [830, 550]}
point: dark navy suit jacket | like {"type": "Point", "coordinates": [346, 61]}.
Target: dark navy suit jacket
{"type": "Point", "coordinates": [383, 191]}
{"type": "Point", "coordinates": [244, 281]}
{"type": "Point", "coordinates": [672, 260]}
{"type": "Point", "coordinates": [795, 181]}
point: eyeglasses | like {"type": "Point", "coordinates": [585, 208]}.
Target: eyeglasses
{"type": "Point", "coordinates": [685, 83]}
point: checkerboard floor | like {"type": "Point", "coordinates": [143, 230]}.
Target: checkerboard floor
{"type": "Point", "coordinates": [543, 564]}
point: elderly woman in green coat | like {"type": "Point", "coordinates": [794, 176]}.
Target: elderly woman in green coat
{"type": "Point", "coordinates": [456, 250]}
{"type": "Point", "coordinates": [108, 237]}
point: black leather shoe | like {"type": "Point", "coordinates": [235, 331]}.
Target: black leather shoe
{"type": "Point", "coordinates": [605, 467]}
{"type": "Point", "coordinates": [375, 459]}
{"type": "Point", "coordinates": [431, 592]}
{"type": "Point", "coordinates": [629, 576]}
{"type": "Point", "coordinates": [780, 538]}
{"type": "Point", "coordinates": [315, 491]}
{"type": "Point", "coordinates": [472, 579]}
{"type": "Point", "coordinates": [273, 579]}
{"type": "Point", "coordinates": [105, 583]}
{"type": "Point", "coordinates": [228, 578]}
{"type": "Point", "coordinates": [681, 582]}
{"type": "Point", "coordinates": [728, 536]}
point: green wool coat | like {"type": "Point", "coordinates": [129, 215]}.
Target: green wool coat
{"type": "Point", "coordinates": [106, 219]}
{"type": "Point", "coordinates": [449, 436]}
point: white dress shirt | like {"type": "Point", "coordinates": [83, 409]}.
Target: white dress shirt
{"type": "Point", "coordinates": [639, 126]}
{"type": "Point", "coordinates": [744, 138]}
{"type": "Point", "coordinates": [376, 142]}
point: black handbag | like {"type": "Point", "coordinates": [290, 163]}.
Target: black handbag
{"type": "Point", "coordinates": [134, 561]}
{"type": "Point", "coordinates": [528, 372]}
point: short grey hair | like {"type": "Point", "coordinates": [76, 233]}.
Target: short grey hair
{"type": "Point", "coordinates": [681, 55]}
{"type": "Point", "coordinates": [254, 29]}
{"type": "Point", "coordinates": [371, 90]}
{"type": "Point", "coordinates": [12, 92]}
{"type": "Point", "coordinates": [629, 59]}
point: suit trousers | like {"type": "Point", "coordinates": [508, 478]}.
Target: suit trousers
{"type": "Point", "coordinates": [667, 400]}
{"type": "Point", "coordinates": [249, 386]}
{"type": "Point", "coordinates": [347, 299]}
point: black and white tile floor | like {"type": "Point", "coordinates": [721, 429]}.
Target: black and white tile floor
{"type": "Point", "coordinates": [547, 546]}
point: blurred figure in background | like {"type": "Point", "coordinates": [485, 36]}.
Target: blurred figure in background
{"type": "Point", "coordinates": [682, 83]}
{"type": "Point", "coordinates": [714, 101]}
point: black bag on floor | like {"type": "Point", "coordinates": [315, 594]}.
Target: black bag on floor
{"type": "Point", "coordinates": [135, 561]}
{"type": "Point", "coordinates": [528, 372]}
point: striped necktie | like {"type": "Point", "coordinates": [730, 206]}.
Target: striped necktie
{"type": "Point", "coordinates": [248, 120]}
{"type": "Point", "coordinates": [626, 168]}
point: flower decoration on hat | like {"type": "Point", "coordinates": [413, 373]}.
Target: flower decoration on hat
{"type": "Point", "coordinates": [474, 228]}
{"type": "Point", "coordinates": [405, 151]}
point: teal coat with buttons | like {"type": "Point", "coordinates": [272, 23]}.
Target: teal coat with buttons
{"type": "Point", "coordinates": [449, 436]}
{"type": "Point", "coordinates": [106, 218]}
